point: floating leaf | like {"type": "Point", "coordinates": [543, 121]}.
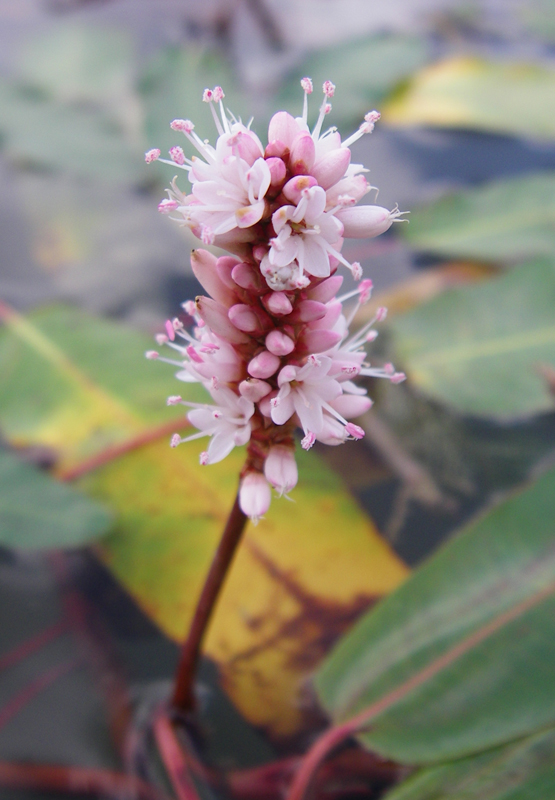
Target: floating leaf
{"type": "Point", "coordinates": [513, 98]}
{"type": "Point", "coordinates": [37, 511]}
{"type": "Point", "coordinates": [302, 575]}
{"type": "Point", "coordinates": [501, 221]}
{"type": "Point", "coordinates": [364, 73]}
{"type": "Point", "coordinates": [479, 347]}
{"type": "Point", "coordinates": [454, 661]}
{"type": "Point", "coordinates": [523, 770]}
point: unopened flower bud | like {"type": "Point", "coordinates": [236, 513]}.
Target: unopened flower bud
{"type": "Point", "coordinates": [264, 365]}
{"type": "Point", "coordinates": [277, 303]}
{"type": "Point", "coordinates": [254, 495]}
{"type": "Point", "coordinates": [280, 468]}
{"type": "Point", "coordinates": [279, 344]}
{"type": "Point", "coordinates": [254, 389]}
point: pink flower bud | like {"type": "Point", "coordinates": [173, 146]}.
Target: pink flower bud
{"type": "Point", "coordinates": [278, 171]}
{"type": "Point", "coordinates": [326, 290]}
{"type": "Point", "coordinates": [318, 341]}
{"type": "Point", "coordinates": [332, 167]}
{"type": "Point", "coordinates": [249, 278]}
{"type": "Point", "coordinates": [254, 495]}
{"type": "Point", "coordinates": [303, 153]}
{"type": "Point", "coordinates": [203, 264]}
{"type": "Point", "coordinates": [351, 405]}
{"type": "Point", "coordinates": [254, 389]}
{"type": "Point", "coordinates": [216, 317]}
{"type": "Point", "coordinates": [279, 344]}
{"type": "Point", "coordinates": [249, 318]}
{"type": "Point", "coordinates": [264, 365]}
{"type": "Point", "coordinates": [307, 311]}
{"type": "Point", "coordinates": [283, 127]}
{"type": "Point", "coordinates": [280, 468]}
{"type": "Point", "coordinates": [275, 148]}
{"type": "Point", "coordinates": [247, 147]}
{"type": "Point", "coordinates": [293, 189]}
{"type": "Point", "coordinates": [365, 222]}
{"type": "Point", "coordinates": [277, 303]}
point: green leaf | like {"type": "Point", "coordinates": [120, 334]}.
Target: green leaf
{"type": "Point", "coordinates": [502, 221]}
{"type": "Point", "coordinates": [364, 72]}
{"type": "Point", "coordinates": [478, 347]}
{"type": "Point", "coordinates": [456, 660]}
{"type": "Point", "coordinates": [38, 512]}
{"type": "Point", "coordinates": [513, 98]}
{"type": "Point", "coordinates": [523, 770]}
{"type": "Point", "coordinates": [79, 384]}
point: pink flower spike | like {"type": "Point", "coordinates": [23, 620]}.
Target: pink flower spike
{"type": "Point", "coordinates": [175, 440]}
{"type": "Point", "coordinates": [152, 155]}
{"type": "Point", "coordinates": [307, 85]}
{"type": "Point", "coordinates": [152, 355]}
{"type": "Point", "coordinates": [365, 290]}
{"type": "Point", "coordinates": [254, 495]}
{"type": "Point", "coordinates": [177, 155]}
{"type": "Point", "coordinates": [166, 206]}
{"type": "Point", "coordinates": [329, 88]}
{"type": "Point", "coordinates": [355, 431]}
{"type": "Point", "coordinates": [174, 400]}
{"type": "Point", "coordinates": [204, 458]}
{"type": "Point", "coordinates": [170, 330]}
{"type": "Point", "coordinates": [218, 94]}
{"type": "Point", "coordinates": [308, 441]}
{"type": "Point", "coordinates": [183, 125]}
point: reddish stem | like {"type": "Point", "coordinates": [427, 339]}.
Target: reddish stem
{"type": "Point", "coordinates": [76, 780]}
{"type": "Point", "coordinates": [111, 453]}
{"type": "Point", "coordinates": [183, 696]}
{"type": "Point", "coordinates": [31, 690]}
{"type": "Point", "coordinates": [30, 646]}
{"type": "Point", "coordinates": [174, 759]}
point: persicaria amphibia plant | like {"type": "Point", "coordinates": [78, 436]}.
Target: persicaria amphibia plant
{"type": "Point", "coordinates": [271, 342]}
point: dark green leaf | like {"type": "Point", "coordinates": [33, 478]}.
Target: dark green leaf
{"type": "Point", "coordinates": [523, 770]}
{"type": "Point", "coordinates": [479, 347]}
{"type": "Point", "coordinates": [37, 512]}
{"type": "Point", "coordinates": [458, 659]}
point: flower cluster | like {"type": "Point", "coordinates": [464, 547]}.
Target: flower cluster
{"type": "Point", "coordinates": [270, 342]}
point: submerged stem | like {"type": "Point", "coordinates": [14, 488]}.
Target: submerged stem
{"type": "Point", "coordinates": [183, 696]}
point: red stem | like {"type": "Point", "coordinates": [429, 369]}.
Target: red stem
{"type": "Point", "coordinates": [174, 759]}
{"type": "Point", "coordinates": [334, 736]}
{"type": "Point", "coordinates": [111, 453]}
{"type": "Point", "coordinates": [31, 645]}
{"type": "Point", "coordinates": [76, 780]}
{"type": "Point", "coordinates": [22, 698]}
{"type": "Point", "coordinates": [183, 696]}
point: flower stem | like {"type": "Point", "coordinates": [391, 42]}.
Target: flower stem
{"type": "Point", "coordinates": [183, 696]}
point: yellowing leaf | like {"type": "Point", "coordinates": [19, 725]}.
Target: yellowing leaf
{"type": "Point", "coordinates": [300, 577]}
{"type": "Point", "coordinates": [474, 93]}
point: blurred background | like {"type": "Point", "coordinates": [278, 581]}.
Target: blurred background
{"type": "Point", "coordinates": [466, 144]}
